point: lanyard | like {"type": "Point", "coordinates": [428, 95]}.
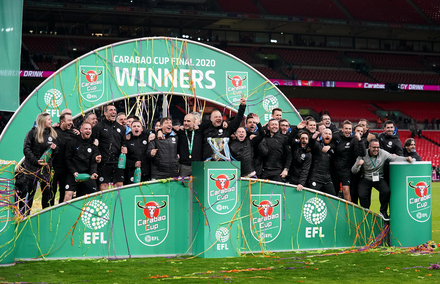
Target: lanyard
{"type": "Point", "coordinates": [374, 164]}
{"type": "Point", "coordinates": [190, 144]}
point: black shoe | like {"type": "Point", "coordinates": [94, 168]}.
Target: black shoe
{"type": "Point", "coordinates": [385, 216]}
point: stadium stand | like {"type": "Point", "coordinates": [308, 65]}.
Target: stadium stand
{"type": "Point", "coordinates": [244, 53]}
{"type": "Point", "coordinates": [310, 8]}
{"type": "Point", "coordinates": [417, 110]}
{"type": "Point", "coordinates": [269, 73]}
{"type": "Point", "coordinates": [242, 6]}
{"type": "Point", "coordinates": [326, 75]}
{"type": "Point", "coordinates": [391, 61]}
{"type": "Point", "coordinates": [432, 135]}
{"type": "Point", "coordinates": [340, 110]}
{"type": "Point", "coordinates": [396, 11]}
{"type": "Point", "coordinates": [406, 78]}
{"type": "Point", "coordinates": [308, 57]}
{"type": "Point", "coordinates": [431, 8]}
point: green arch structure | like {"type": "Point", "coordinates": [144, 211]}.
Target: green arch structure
{"type": "Point", "coordinates": [145, 66]}
{"type": "Point", "coordinates": [118, 222]}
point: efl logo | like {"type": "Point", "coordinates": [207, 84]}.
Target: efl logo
{"type": "Point", "coordinates": [95, 216]}
{"type": "Point", "coordinates": [91, 82]}
{"type": "Point", "coordinates": [222, 193]}
{"type": "Point", "coordinates": [266, 221]}
{"type": "Point", "coordinates": [53, 99]}
{"type": "Point", "coordinates": [236, 84]}
{"type": "Point", "coordinates": [315, 211]}
{"type": "Point", "coordinates": [151, 218]}
{"type": "Point", "coordinates": [418, 192]}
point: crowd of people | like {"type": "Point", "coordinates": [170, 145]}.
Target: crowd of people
{"type": "Point", "coordinates": [316, 154]}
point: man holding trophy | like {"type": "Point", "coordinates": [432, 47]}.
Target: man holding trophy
{"type": "Point", "coordinates": [216, 133]}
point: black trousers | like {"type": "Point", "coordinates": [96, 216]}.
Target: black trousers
{"type": "Point", "coordinates": [323, 187]}
{"type": "Point", "coordinates": [365, 187]}
{"type": "Point", "coordinates": [272, 174]}
{"type": "Point", "coordinates": [354, 188]}
{"type": "Point", "coordinates": [59, 177]}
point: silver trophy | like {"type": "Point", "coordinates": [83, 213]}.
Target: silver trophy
{"type": "Point", "coordinates": [220, 148]}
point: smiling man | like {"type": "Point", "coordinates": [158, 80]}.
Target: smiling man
{"type": "Point", "coordinates": [111, 137]}
{"type": "Point", "coordinates": [163, 152]}
{"type": "Point", "coordinates": [372, 167]}
{"type": "Point", "coordinates": [80, 157]}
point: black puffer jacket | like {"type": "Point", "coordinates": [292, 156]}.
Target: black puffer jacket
{"type": "Point", "coordinates": [33, 150]}
{"type": "Point", "coordinates": [137, 151]}
{"type": "Point", "coordinates": [243, 151]}
{"type": "Point", "coordinates": [275, 152]}
{"type": "Point", "coordinates": [390, 143]}
{"type": "Point", "coordinates": [209, 130]}
{"type": "Point", "coordinates": [80, 156]}
{"type": "Point", "coordinates": [64, 136]}
{"type": "Point", "coordinates": [111, 137]}
{"type": "Point", "coordinates": [165, 163]}
{"type": "Point", "coordinates": [347, 149]}
{"type": "Point", "coordinates": [320, 171]}
{"type": "Point", "coordinates": [301, 162]}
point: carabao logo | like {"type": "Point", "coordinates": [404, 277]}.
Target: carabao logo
{"type": "Point", "coordinates": [151, 219]}
{"type": "Point", "coordinates": [266, 217]}
{"type": "Point", "coordinates": [91, 82]}
{"type": "Point", "coordinates": [315, 211]}
{"type": "Point", "coordinates": [418, 192]}
{"type": "Point", "coordinates": [236, 84]}
{"type": "Point", "coordinates": [96, 215]}
{"type": "Point", "coordinates": [222, 190]}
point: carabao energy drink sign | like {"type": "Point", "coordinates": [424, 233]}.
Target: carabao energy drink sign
{"type": "Point", "coordinates": [418, 196]}
{"type": "Point", "coordinates": [146, 67]}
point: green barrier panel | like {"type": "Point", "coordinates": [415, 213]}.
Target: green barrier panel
{"type": "Point", "coordinates": [410, 203]}
{"type": "Point", "coordinates": [220, 216]}
{"type": "Point", "coordinates": [218, 195]}
{"type": "Point", "coordinates": [7, 226]}
{"type": "Point", "coordinates": [150, 219]}
{"type": "Point", "coordinates": [277, 217]}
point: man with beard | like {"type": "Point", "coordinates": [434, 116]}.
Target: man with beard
{"type": "Point", "coordinates": [372, 165]}
{"type": "Point", "coordinates": [137, 157]}
{"type": "Point", "coordinates": [65, 134]}
{"type": "Point", "coordinates": [80, 157]}
{"type": "Point", "coordinates": [389, 141]}
{"type": "Point", "coordinates": [111, 137]}
{"type": "Point", "coordinates": [301, 160]}
{"type": "Point", "coordinates": [163, 152]}
{"type": "Point", "coordinates": [322, 152]}
{"type": "Point", "coordinates": [214, 128]}
{"type": "Point", "coordinates": [275, 152]}
{"type": "Point", "coordinates": [190, 144]}
{"type": "Point", "coordinates": [410, 150]}
{"type": "Point", "coordinates": [242, 148]}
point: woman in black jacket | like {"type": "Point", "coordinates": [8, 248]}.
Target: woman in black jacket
{"type": "Point", "coordinates": [37, 141]}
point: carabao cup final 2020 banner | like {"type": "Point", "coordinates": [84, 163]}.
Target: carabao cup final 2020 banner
{"type": "Point", "coordinates": [146, 66]}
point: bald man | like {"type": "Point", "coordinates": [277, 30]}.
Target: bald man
{"type": "Point", "coordinates": [214, 127]}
